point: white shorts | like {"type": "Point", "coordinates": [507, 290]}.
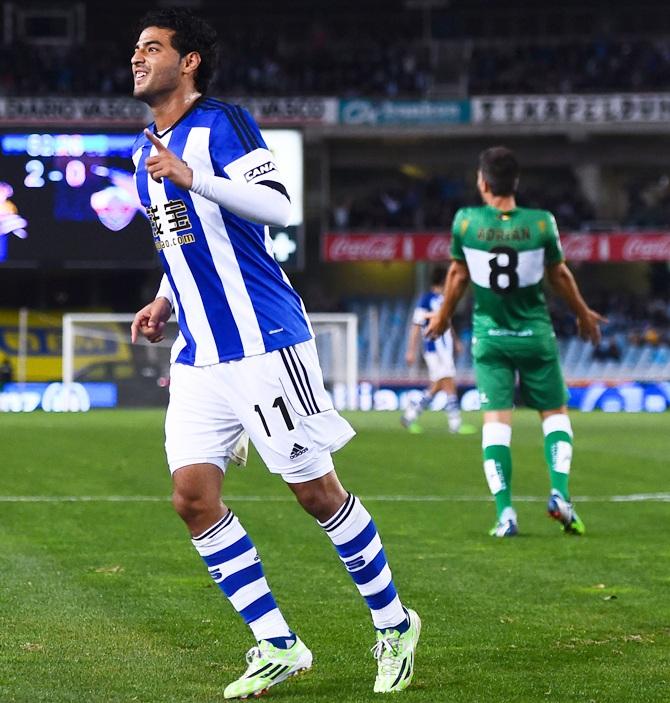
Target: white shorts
{"type": "Point", "coordinates": [440, 362]}
{"type": "Point", "coordinates": [278, 398]}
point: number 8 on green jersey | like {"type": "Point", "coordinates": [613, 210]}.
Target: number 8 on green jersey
{"type": "Point", "coordinates": [506, 254]}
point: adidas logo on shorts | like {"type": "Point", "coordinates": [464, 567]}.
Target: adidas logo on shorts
{"type": "Point", "coordinates": [297, 451]}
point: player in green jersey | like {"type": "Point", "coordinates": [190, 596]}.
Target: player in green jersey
{"type": "Point", "coordinates": [504, 251]}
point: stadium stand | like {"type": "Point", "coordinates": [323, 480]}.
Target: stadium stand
{"type": "Point", "coordinates": [398, 201]}
{"type": "Point", "coordinates": [636, 342]}
{"type": "Point", "coordinates": [589, 66]}
{"type": "Point", "coordinates": [392, 49]}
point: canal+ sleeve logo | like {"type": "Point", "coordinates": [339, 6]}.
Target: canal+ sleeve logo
{"type": "Point", "coordinates": [253, 173]}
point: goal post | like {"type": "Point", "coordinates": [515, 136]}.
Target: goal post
{"type": "Point", "coordinates": [96, 347]}
{"type": "Point", "coordinates": [336, 337]}
{"type": "Point", "coordinates": [95, 326]}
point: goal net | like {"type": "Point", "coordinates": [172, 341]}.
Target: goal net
{"type": "Point", "coordinates": [96, 347]}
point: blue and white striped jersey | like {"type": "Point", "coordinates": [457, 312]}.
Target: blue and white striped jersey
{"type": "Point", "coordinates": [428, 304]}
{"type": "Point", "coordinates": [230, 296]}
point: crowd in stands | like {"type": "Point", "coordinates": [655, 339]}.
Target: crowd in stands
{"type": "Point", "coordinates": [430, 203]}
{"type": "Point", "coordinates": [351, 61]}
{"type": "Point", "coordinates": [357, 65]}
{"type": "Point", "coordinates": [250, 66]}
{"type": "Point", "coordinates": [564, 199]}
{"type": "Point", "coordinates": [409, 205]}
{"type": "Point", "coordinates": [401, 202]}
{"type": "Point", "coordinates": [635, 340]}
{"type": "Point", "coordinates": [649, 202]}
{"type": "Point", "coordinates": [598, 65]}
{"type": "Point", "coordinates": [91, 69]}
{"type": "Point", "coordinates": [632, 321]}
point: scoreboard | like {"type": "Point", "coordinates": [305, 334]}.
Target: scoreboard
{"type": "Point", "coordinates": [69, 201]}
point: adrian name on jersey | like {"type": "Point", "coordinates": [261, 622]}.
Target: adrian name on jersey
{"type": "Point", "coordinates": [492, 234]}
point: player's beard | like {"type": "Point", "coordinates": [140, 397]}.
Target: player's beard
{"type": "Point", "coordinates": [157, 86]}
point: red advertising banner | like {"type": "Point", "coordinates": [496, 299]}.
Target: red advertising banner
{"type": "Point", "coordinates": [433, 246]}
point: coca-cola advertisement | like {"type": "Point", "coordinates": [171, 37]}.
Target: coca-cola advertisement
{"type": "Point", "coordinates": [579, 247]}
{"type": "Point", "coordinates": [645, 247]}
{"type": "Point", "coordinates": [435, 246]}
{"type": "Point", "coordinates": [421, 246]}
{"type": "Point", "coordinates": [362, 247]}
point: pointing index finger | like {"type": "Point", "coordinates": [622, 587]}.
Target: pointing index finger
{"type": "Point", "coordinates": [154, 140]}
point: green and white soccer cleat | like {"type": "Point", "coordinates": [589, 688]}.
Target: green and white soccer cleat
{"type": "Point", "coordinates": [267, 666]}
{"type": "Point", "coordinates": [394, 653]}
{"type": "Point", "coordinates": [564, 512]}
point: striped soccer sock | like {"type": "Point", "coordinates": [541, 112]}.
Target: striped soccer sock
{"type": "Point", "coordinates": [426, 400]}
{"type": "Point", "coordinates": [452, 407]}
{"type": "Point", "coordinates": [235, 566]}
{"type": "Point", "coordinates": [558, 451]}
{"type": "Point", "coordinates": [357, 541]}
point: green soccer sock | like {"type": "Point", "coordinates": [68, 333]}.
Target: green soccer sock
{"type": "Point", "coordinates": [558, 452]}
{"type": "Point", "coordinates": [496, 440]}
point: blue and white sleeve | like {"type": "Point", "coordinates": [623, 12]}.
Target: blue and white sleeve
{"type": "Point", "coordinates": [246, 179]}
{"type": "Point", "coordinates": [421, 312]}
{"type": "Point", "coordinates": [165, 290]}
{"type": "Point", "coordinates": [237, 147]}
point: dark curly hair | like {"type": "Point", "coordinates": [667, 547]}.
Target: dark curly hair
{"type": "Point", "coordinates": [191, 33]}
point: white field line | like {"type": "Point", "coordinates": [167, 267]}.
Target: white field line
{"type": "Point", "coordinates": [631, 498]}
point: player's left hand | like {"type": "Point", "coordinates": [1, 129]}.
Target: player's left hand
{"type": "Point", "coordinates": [588, 326]}
{"type": "Point", "coordinates": [165, 164]}
{"type": "Point", "coordinates": [436, 326]}
{"type": "Point", "coordinates": [149, 322]}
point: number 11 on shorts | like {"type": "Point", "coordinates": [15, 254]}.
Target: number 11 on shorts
{"type": "Point", "coordinates": [278, 403]}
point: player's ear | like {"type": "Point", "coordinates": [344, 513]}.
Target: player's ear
{"type": "Point", "coordinates": [190, 62]}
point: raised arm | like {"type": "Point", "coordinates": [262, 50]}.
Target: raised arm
{"type": "Point", "coordinates": [253, 201]}
{"type": "Point", "coordinates": [455, 286]}
{"type": "Point", "coordinates": [265, 202]}
{"type": "Point", "coordinates": [563, 282]}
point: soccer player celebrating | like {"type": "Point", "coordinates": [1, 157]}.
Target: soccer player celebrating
{"type": "Point", "coordinates": [438, 355]}
{"type": "Point", "coordinates": [245, 359]}
{"type": "Point", "coordinates": [505, 250]}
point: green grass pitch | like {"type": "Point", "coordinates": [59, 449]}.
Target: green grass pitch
{"type": "Point", "coordinates": [106, 601]}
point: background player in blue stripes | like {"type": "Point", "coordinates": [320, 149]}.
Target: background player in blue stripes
{"type": "Point", "coordinates": [245, 359]}
{"type": "Point", "coordinates": [438, 355]}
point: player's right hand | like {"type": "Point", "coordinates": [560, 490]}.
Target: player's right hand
{"type": "Point", "coordinates": [410, 358]}
{"type": "Point", "coordinates": [150, 321]}
{"type": "Point", "coordinates": [165, 164]}
{"type": "Point", "coordinates": [588, 326]}
{"type": "Point", "coordinates": [436, 326]}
